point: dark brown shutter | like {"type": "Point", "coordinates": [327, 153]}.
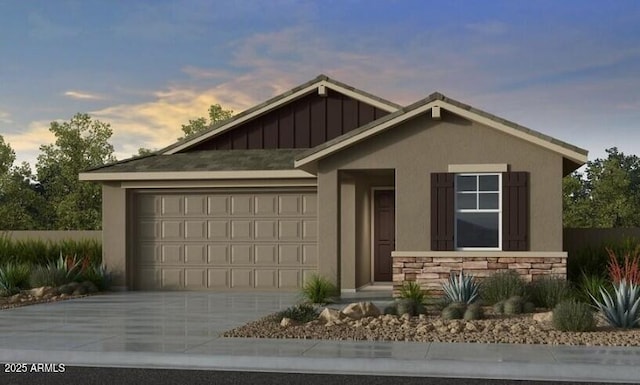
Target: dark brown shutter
{"type": "Point", "coordinates": [442, 211]}
{"type": "Point", "coordinates": [515, 211]}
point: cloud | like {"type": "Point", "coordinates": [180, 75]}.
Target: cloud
{"type": "Point", "coordinates": [157, 123]}
{"type": "Point", "coordinates": [206, 73]}
{"type": "Point", "coordinates": [27, 143]}
{"type": "Point", "coordinates": [5, 117]}
{"type": "Point", "coordinates": [82, 95]}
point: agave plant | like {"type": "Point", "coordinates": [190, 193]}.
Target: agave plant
{"type": "Point", "coordinates": [461, 288]}
{"type": "Point", "coordinates": [623, 309]}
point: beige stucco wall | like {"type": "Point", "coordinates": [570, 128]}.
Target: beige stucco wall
{"type": "Point", "coordinates": [114, 232]}
{"type": "Point", "coordinates": [356, 215]}
{"type": "Point", "coordinates": [421, 146]}
{"type": "Point", "coordinates": [328, 225]}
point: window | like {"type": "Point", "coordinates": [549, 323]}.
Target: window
{"type": "Point", "coordinates": [512, 214]}
{"type": "Point", "coordinates": [478, 211]}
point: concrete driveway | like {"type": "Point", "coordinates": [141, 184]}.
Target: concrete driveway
{"type": "Point", "coordinates": [135, 321]}
{"type": "Point", "coordinates": [181, 330]}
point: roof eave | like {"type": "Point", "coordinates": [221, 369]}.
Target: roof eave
{"type": "Point", "coordinates": [193, 175]}
{"type": "Point", "coordinates": [574, 154]}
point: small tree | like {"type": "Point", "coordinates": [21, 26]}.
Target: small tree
{"type": "Point", "coordinates": [216, 115]}
{"type": "Point", "coordinates": [607, 195]}
{"type": "Point", "coordinates": [81, 143]}
{"type": "Point", "coordinates": [22, 206]}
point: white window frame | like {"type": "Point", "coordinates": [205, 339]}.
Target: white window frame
{"type": "Point", "coordinates": [456, 210]}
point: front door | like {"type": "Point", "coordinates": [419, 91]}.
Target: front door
{"type": "Point", "coordinates": [384, 233]}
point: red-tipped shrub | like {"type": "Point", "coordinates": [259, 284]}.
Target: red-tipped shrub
{"type": "Point", "coordinates": [629, 270]}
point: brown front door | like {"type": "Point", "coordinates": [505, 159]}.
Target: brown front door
{"type": "Point", "coordinates": [384, 233]}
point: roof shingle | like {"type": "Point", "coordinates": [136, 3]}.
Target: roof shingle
{"type": "Point", "coordinates": [221, 160]}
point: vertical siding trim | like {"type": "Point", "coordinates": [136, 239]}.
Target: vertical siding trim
{"type": "Point", "coordinates": [308, 131]}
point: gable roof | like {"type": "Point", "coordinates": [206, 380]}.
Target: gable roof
{"type": "Point", "coordinates": [576, 155]}
{"type": "Point", "coordinates": [277, 101]}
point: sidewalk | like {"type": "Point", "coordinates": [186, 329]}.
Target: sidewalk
{"type": "Point", "coordinates": [180, 330]}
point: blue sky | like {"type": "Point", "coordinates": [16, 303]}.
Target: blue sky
{"type": "Point", "coordinates": [570, 69]}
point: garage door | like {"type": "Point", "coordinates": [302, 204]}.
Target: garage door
{"type": "Point", "coordinates": [215, 241]}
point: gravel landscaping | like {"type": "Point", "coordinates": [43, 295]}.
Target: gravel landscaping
{"type": "Point", "coordinates": [533, 328]}
{"type": "Point", "coordinates": [48, 294]}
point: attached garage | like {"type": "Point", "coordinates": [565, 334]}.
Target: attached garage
{"type": "Point", "coordinates": [228, 209]}
{"type": "Point", "coordinates": [217, 240]}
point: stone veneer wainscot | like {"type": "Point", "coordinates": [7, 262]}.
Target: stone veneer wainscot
{"type": "Point", "coordinates": [432, 268]}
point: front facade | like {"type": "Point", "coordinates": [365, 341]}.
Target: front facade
{"type": "Point", "coordinates": [328, 179]}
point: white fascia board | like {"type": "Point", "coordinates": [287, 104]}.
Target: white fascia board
{"type": "Point", "coordinates": [566, 152]}
{"type": "Point", "coordinates": [194, 175]}
{"type": "Point", "coordinates": [355, 95]}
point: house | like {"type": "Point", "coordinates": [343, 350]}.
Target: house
{"type": "Point", "coordinates": [329, 179]}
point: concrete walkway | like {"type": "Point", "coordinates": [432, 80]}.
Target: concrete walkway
{"type": "Point", "coordinates": [181, 330]}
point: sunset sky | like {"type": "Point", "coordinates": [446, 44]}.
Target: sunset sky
{"type": "Point", "coordinates": [570, 69]}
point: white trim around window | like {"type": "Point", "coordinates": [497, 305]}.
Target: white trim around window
{"type": "Point", "coordinates": [478, 193]}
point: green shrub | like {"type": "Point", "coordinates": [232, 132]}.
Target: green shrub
{"type": "Point", "coordinates": [498, 307]}
{"type": "Point", "coordinates": [48, 275]}
{"type": "Point", "coordinates": [412, 299]}
{"type": "Point", "coordinates": [528, 307]}
{"type": "Point", "coordinates": [513, 305]}
{"type": "Point", "coordinates": [98, 275]}
{"type": "Point", "coordinates": [391, 309]}
{"type": "Point", "coordinates": [39, 252]}
{"type": "Point", "coordinates": [411, 290]}
{"type": "Point", "coordinates": [473, 312]}
{"type": "Point", "coordinates": [13, 278]}
{"type": "Point", "coordinates": [547, 292]}
{"type": "Point", "coordinates": [590, 285]}
{"type": "Point", "coordinates": [408, 306]}
{"type": "Point", "coordinates": [301, 313]}
{"type": "Point", "coordinates": [318, 289]}
{"type": "Point", "coordinates": [461, 288]}
{"type": "Point", "coordinates": [455, 310]}
{"type": "Point", "coordinates": [501, 286]}
{"type": "Point", "coordinates": [573, 316]}
{"type": "Point", "coordinates": [622, 309]}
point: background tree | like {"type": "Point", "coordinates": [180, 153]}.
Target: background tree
{"type": "Point", "coordinates": [22, 206]}
{"type": "Point", "coordinates": [144, 152]}
{"type": "Point", "coordinates": [216, 115]}
{"type": "Point", "coordinates": [606, 195]}
{"type": "Point", "coordinates": [81, 143]}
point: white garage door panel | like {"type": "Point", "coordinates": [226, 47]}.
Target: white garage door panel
{"type": "Point", "coordinates": [214, 241]}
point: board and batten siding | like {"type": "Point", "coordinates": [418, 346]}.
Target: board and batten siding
{"type": "Point", "coordinates": [303, 123]}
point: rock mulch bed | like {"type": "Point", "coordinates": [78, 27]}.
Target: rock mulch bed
{"type": "Point", "coordinates": [48, 294]}
{"type": "Point", "coordinates": [520, 329]}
